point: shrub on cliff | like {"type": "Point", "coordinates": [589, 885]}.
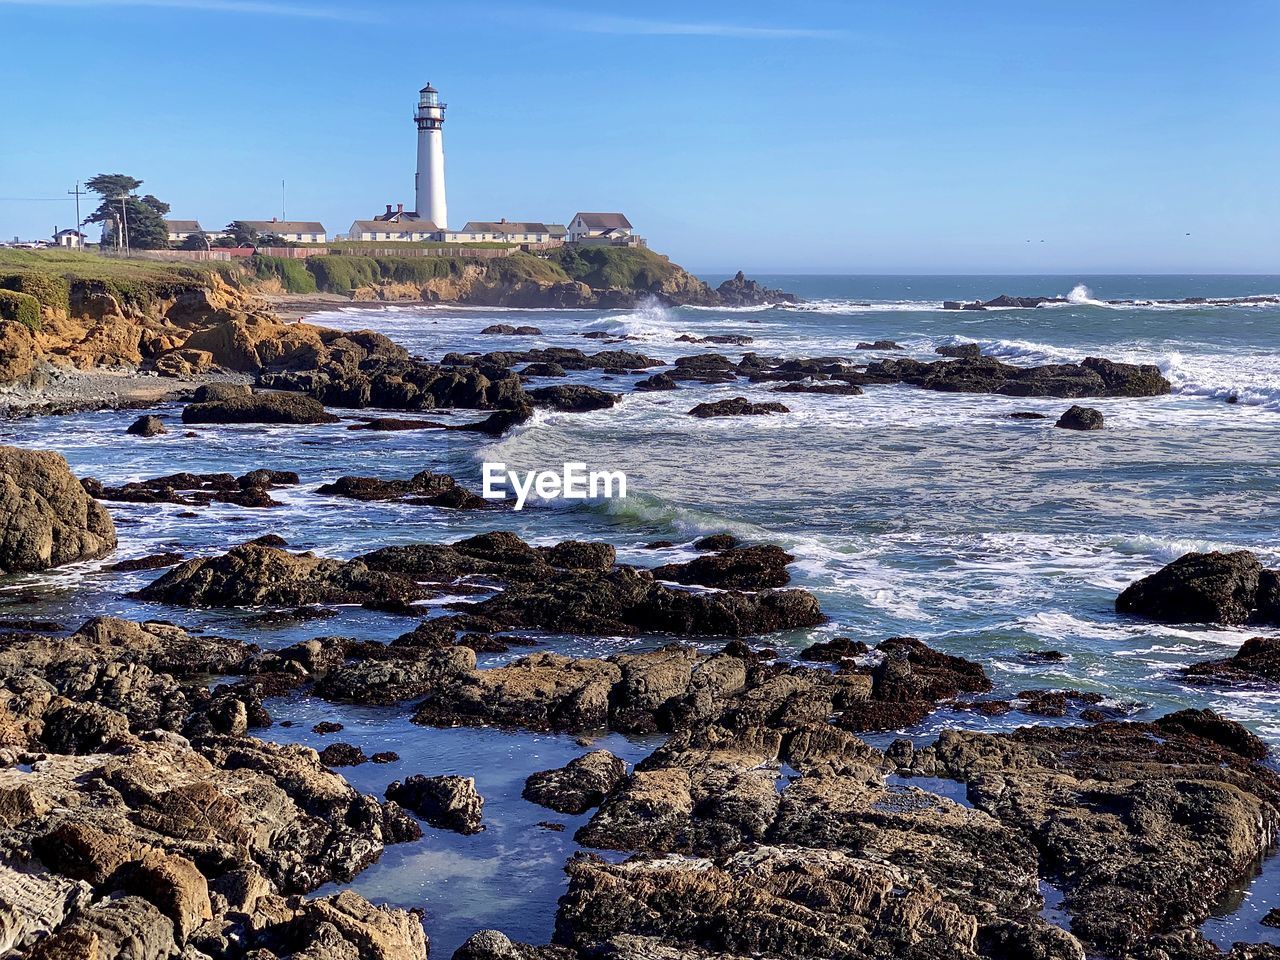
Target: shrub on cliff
{"type": "Point", "coordinates": [343, 274]}
{"type": "Point", "coordinates": [292, 274]}
{"type": "Point", "coordinates": [50, 290]}
{"type": "Point", "coordinates": [21, 307]}
{"type": "Point", "coordinates": [630, 268]}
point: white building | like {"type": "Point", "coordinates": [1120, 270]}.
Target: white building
{"type": "Point", "coordinates": [600, 228]}
{"type": "Point", "coordinates": [71, 239]}
{"type": "Point", "coordinates": [499, 231]}
{"type": "Point", "coordinates": [295, 231]}
{"type": "Point", "coordinates": [429, 182]}
{"type": "Point", "coordinates": [179, 230]}
{"type": "Point", "coordinates": [399, 231]}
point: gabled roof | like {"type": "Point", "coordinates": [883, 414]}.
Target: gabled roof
{"type": "Point", "coordinates": [557, 229]}
{"type": "Point", "coordinates": [504, 226]}
{"type": "Point", "coordinates": [63, 233]}
{"type": "Point", "coordinates": [603, 221]}
{"type": "Point", "coordinates": [395, 226]}
{"type": "Point", "coordinates": [182, 226]}
{"type": "Point", "coordinates": [285, 226]}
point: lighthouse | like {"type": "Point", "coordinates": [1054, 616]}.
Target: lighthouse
{"type": "Point", "coordinates": [429, 182]}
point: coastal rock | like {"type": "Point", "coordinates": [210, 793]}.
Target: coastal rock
{"type": "Point", "coordinates": [545, 691]}
{"type": "Point", "coordinates": [1092, 377]}
{"type": "Point", "coordinates": [735, 407]}
{"type": "Point", "coordinates": [508, 330]}
{"type": "Point", "coordinates": [432, 489]}
{"type": "Point", "coordinates": [716, 541]}
{"type": "Point", "coordinates": [878, 345]}
{"type": "Point", "coordinates": [255, 576]}
{"type": "Point", "coordinates": [46, 518]}
{"type": "Point", "coordinates": [576, 588]}
{"type": "Point", "coordinates": [1163, 817]}
{"type": "Point", "coordinates": [19, 353]}
{"type": "Point", "coordinates": [579, 785]}
{"type": "Point", "coordinates": [448, 802]}
{"type": "Point", "coordinates": [258, 408]}
{"type": "Point", "coordinates": [543, 370]}
{"type": "Point", "coordinates": [198, 489]}
{"type": "Point", "coordinates": [833, 388]}
{"type": "Point", "coordinates": [835, 651]}
{"type": "Point", "coordinates": [1080, 418]}
{"type": "Point", "coordinates": [1256, 662]}
{"type": "Point", "coordinates": [399, 675]}
{"type": "Point", "coordinates": [395, 424]}
{"type": "Point", "coordinates": [148, 426]}
{"type": "Point", "coordinates": [966, 351]}
{"type": "Point", "coordinates": [576, 398]}
{"type": "Point", "coordinates": [210, 392]}
{"type": "Point", "coordinates": [737, 568]}
{"type": "Point", "coordinates": [738, 291]}
{"type": "Point", "coordinates": [346, 926]}
{"type": "Point", "coordinates": [1200, 588]}
{"type": "Point", "coordinates": [659, 381]}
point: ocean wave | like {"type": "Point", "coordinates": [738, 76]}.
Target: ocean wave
{"type": "Point", "coordinates": [864, 306]}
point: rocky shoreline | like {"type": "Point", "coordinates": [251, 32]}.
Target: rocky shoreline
{"type": "Point", "coordinates": [144, 816]}
{"type": "Point", "coordinates": [145, 812]}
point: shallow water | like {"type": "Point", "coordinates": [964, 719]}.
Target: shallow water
{"type": "Point", "coordinates": [909, 512]}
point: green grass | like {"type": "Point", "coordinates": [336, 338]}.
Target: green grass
{"type": "Point", "coordinates": [22, 307]}
{"type": "Point", "coordinates": [51, 276]}
{"type": "Point", "coordinates": [292, 274]}
{"type": "Point", "coordinates": [631, 268]}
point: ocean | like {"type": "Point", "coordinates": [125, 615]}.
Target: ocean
{"type": "Point", "coordinates": [910, 513]}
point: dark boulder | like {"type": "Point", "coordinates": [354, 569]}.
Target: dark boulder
{"type": "Point", "coordinates": [1256, 662]}
{"type": "Point", "coordinates": [738, 291]}
{"type": "Point", "coordinates": [259, 408]}
{"type": "Point", "coordinates": [735, 407]}
{"type": "Point", "coordinates": [964, 351]}
{"type": "Point", "coordinates": [448, 802]}
{"type": "Point", "coordinates": [835, 388]}
{"type": "Point", "coordinates": [147, 426]}
{"type": "Point", "coordinates": [508, 330]}
{"type": "Point", "coordinates": [738, 568]}
{"type": "Point", "coordinates": [1198, 588]}
{"type": "Point", "coordinates": [579, 785]}
{"type": "Point", "coordinates": [1080, 418]}
{"type": "Point", "coordinates": [878, 345]}
{"type": "Point", "coordinates": [252, 576]}
{"type": "Point", "coordinates": [431, 489]}
{"type": "Point", "coordinates": [659, 381]}
{"type": "Point", "coordinates": [574, 398]}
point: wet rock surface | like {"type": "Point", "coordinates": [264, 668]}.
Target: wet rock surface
{"type": "Point", "coordinates": [735, 407]}
{"type": "Point", "coordinates": [425, 488]}
{"type": "Point", "coordinates": [258, 408]}
{"type": "Point", "coordinates": [46, 517]}
{"type": "Point", "coordinates": [1080, 418]}
{"type": "Point", "coordinates": [124, 837]}
{"type": "Point", "coordinates": [1256, 662]}
{"type": "Point", "coordinates": [449, 802]}
{"type": "Point", "coordinates": [253, 576]}
{"type": "Point", "coordinates": [579, 785]}
{"type": "Point", "coordinates": [1213, 587]}
{"type": "Point", "coordinates": [253, 489]}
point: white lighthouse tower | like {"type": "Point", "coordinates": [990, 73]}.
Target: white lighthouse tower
{"type": "Point", "coordinates": [429, 182]}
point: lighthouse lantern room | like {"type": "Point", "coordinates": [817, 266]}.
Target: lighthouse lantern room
{"type": "Point", "coordinates": [429, 185]}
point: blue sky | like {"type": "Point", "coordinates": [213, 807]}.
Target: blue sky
{"type": "Point", "coordinates": [847, 137]}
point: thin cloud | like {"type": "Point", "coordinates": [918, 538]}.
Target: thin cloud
{"type": "Point", "coordinates": [252, 7]}
{"type": "Point", "coordinates": [640, 27]}
{"type": "Point", "coordinates": [673, 28]}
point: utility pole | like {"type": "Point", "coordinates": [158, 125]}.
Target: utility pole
{"type": "Point", "coordinates": [123, 232]}
{"type": "Point", "coordinates": [283, 207]}
{"type": "Point", "coordinates": [78, 193]}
